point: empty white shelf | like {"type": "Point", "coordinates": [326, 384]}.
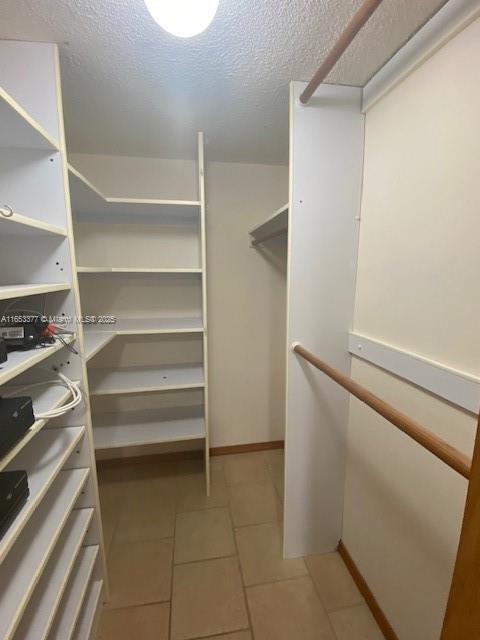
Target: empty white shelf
{"type": "Point", "coordinates": [20, 361]}
{"type": "Point", "coordinates": [44, 399]}
{"type": "Point", "coordinates": [86, 270]}
{"type": "Point", "coordinates": [22, 290]}
{"type": "Point", "coordinates": [88, 201]}
{"type": "Point", "coordinates": [72, 601]}
{"type": "Point", "coordinates": [276, 225]}
{"type": "Point", "coordinates": [145, 379]}
{"type": "Point", "coordinates": [99, 335]}
{"type": "Point", "coordinates": [134, 326]}
{"type": "Point", "coordinates": [42, 608]}
{"type": "Point", "coordinates": [134, 428]}
{"type": "Point", "coordinates": [42, 459]}
{"type": "Point", "coordinates": [95, 341]}
{"type": "Point", "coordinates": [24, 565]}
{"type": "Point", "coordinates": [18, 225]}
{"type": "Point", "coordinates": [19, 130]}
{"type": "Point", "coordinates": [91, 606]}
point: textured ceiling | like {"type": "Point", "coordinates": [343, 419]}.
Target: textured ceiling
{"type": "Point", "coordinates": [131, 89]}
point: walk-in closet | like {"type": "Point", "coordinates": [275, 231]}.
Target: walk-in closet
{"type": "Point", "coordinates": [239, 361]}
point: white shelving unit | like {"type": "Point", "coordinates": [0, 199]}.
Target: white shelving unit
{"type": "Point", "coordinates": [19, 130]}
{"type": "Point", "coordinates": [21, 290]}
{"type": "Point", "coordinates": [89, 615]}
{"type": "Point", "coordinates": [42, 608]}
{"type": "Point", "coordinates": [275, 226]}
{"type": "Point", "coordinates": [73, 599]}
{"type": "Point", "coordinates": [137, 270]}
{"type": "Point", "coordinates": [142, 427]}
{"type": "Point", "coordinates": [61, 518]}
{"type": "Point", "coordinates": [148, 262]}
{"type": "Point", "coordinates": [21, 361]}
{"type": "Point", "coordinates": [44, 399]}
{"type": "Point", "coordinates": [99, 336]}
{"type": "Point", "coordinates": [145, 379]}
{"type": "Point", "coordinates": [32, 550]}
{"type": "Point", "coordinates": [14, 224]}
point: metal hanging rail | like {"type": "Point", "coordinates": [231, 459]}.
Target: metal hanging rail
{"type": "Point", "coordinates": [356, 23]}
{"type": "Point", "coordinates": [429, 440]}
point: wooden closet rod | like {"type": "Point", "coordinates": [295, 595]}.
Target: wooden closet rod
{"type": "Point", "coordinates": [441, 449]}
{"type": "Point", "coordinates": [349, 33]}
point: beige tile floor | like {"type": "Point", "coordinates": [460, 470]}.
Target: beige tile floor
{"type": "Point", "coordinates": [183, 566]}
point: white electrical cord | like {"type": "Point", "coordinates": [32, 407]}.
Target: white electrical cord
{"type": "Point", "coordinates": [55, 413]}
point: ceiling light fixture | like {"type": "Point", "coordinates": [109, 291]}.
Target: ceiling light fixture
{"type": "Point", "coordinates": [183, 18]}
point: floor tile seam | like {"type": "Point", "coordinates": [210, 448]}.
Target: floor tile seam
{"type": "Point", "coordinates": [113, 607]}
{"type": "Point", "coordinates": [242, 579]}
{"type": "Point", "coordinates": [172, 577]}
{"type": "Point", "coordinates": [182, 564]}
{"type": "Point", "coordinates": [320, 600]}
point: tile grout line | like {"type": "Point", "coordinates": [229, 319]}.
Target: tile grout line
{"type": "Point", "coordinates": [320, 599]}
{"type": "Point", "coordinates": [173, 565]}
{"type": "Point", "coordinates": [244, 589]}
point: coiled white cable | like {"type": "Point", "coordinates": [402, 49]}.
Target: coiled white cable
{"type": "Point", "coordinates": [73, 387]}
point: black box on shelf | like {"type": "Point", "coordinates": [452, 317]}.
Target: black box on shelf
{"type": "Point", "coordinates": [14, 493]}
{"type": "Point", "coordinates": [3, 351]}
{"type": "Point", "coordinates": [16, 418]}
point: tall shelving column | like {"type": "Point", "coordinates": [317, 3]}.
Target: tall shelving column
{"type": "Point", "coordinates": [52, 561]}
{"type": "Point", "coordinates": [142, 263]}
{"type": "Point", "coordinates": [203, 235]}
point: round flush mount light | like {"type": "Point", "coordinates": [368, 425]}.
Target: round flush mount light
{"type": "Point", "coordinates": [183, 18]}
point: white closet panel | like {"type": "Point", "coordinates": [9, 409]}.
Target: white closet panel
{"type": "Point", "coordinates": [31, 183]}
{"type": "Point", "coordinates": [145, 378]}
{"type": "Point", "coordinates": [133, 428]}
{"type": "Point", "coordinates": [26, 562]}
{"type": "Point", "coordinates": [19, 130]}
{"type": "Point", "coordinates": [38, 276]}
{"type": "Point", "coordinates": [20, 361]}
{"type": "Point", "coordinates": [86, 622]}
{"type": "Point", "coordinates": [15, 224]}
{"type": "Point", "coordinates": [30, 75]}
{"type": "Point", "coordinates": [72, 601]}
{"type": "Point", "coordinates": [142, 265]}
{"type": "Point", "coordinates": [43, 606]}
{"type": "Point", "coordinates": [45, 398]}
{"type": "Point", "coordinates": [9, 291]}
{"type": "Point", "coordinates": [158, 244]}
{"type": "Point", "coordinates": [326, 161]}
{"type": "Point", "coordinates": [42, 459]}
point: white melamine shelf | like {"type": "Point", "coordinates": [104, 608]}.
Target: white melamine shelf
{"type": "Point", "coordinates": [19, 130]}
{"type": "Point", "coordinates": [276, 225]}
{"type": "Point", "coordinates": [18, 225]}
{"type": "Point", "coordinates": [145, 379]}
{"type": "Point", "coordinates": [134, 326]}
{"type": "Point", "coordinates": [99, 335]}
{"type": "Point", "coordinates": [85, 623]}
{"type": "Point", "coordinates": [42, 459]}
{"type": "Point", "coordinates": [44, 399]}
{"type": "Point", "coordinates": [24, 565]}
{"type": "Point", "coordinates": [42, 608]}
{"type": "Point", "coordinates": [135, 428]}
{"type": "Point", "coordinates": [20, 361]}
{"type": "Point", "coordinates": [95, 341]}
{"type": "Point", "coordinates": [72, 601]}
{"type": "Point", "coordinates": [88, 201]}
{"type": "Point", "coordinates": [138, 270]}
{"type": "Point", "coordinates": [23, 290]}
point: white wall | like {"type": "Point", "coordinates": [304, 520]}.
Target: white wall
{"type": "Point", "coordinates": [246, 287]}
{"type": "Point", "coordinates": [417, 289]}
